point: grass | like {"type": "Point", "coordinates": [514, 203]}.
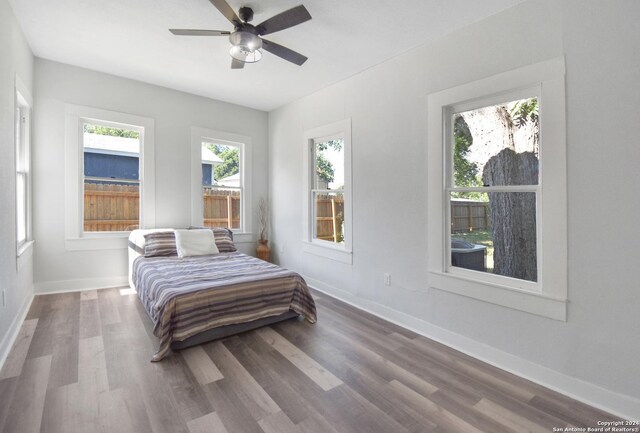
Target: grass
{"type": "Point", "coordinates": [479, 237]}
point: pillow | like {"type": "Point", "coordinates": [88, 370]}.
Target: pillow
{"type": "Point", "coordinates": [223, 237]}
{"type": "Point", "coordinates": [224, 240]}
{"type": "Point", "coordinates": [160, 244]}
{"type": "Point", "coordinates": [195, 243]}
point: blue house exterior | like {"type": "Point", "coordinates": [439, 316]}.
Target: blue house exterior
{"type": "Point", "coordinates": [111, 166]}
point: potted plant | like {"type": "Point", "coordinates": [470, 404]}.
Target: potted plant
{"type": "Point", "coordinates": [263, 251]}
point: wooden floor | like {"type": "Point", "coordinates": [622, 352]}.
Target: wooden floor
{"type": "Point", "coordinates": [81, 364]}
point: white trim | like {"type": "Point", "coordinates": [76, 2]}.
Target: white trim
{"type": "Point", "coordinates": [74, 116]}
{"type": "Point", "coordinates": [77, 285]}
{"type": "Point", "coordinates": [14, 329]}
{"type": "Point", "coordinates": [24, 100]}
{"type": "Point", "coordinates": [117, 241]}
{"type": "Point", "coordinates": [328, 250]}
{"type": "Point", "coordinates": [198, 135]}
{"type": "Point", "coordinates": [339, 252]}
{"type": "Point", "coordinates": [548, 77]}
{"type": "Point", "coordinates": [23, 90]}
{"type": "Point", "coordinates": [620, 405]}
{"type": "Point", "coordinates": [25, 253]}
{"type": "Point", "coordinates": [522, 300]}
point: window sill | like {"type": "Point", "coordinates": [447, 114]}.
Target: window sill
{"type": "Point", "coordinates": [530, 302]}
{"type": "Point", "coordinates": [24, 254]}
{"type": "Point", "coordinates": [330, 252]}
{"type": "Point", "coordinates": [111, 242]}
{"type": "Point", "coordinates": [243, 238]}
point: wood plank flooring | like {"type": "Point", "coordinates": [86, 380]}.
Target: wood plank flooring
{"type": "Point", "coordinates": [81, 364]}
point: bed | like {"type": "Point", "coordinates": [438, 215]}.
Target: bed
{"type": "Point", "coordinates": [191, 300]}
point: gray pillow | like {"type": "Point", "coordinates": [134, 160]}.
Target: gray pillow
{"type": "Point", "coordinates": [160, 244]}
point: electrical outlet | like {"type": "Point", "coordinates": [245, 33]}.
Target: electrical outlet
{"type": "Point", "coordinates": [281, 249]}
{"type": "Point", "coordinates": [387, 279]}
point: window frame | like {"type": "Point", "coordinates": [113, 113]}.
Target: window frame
{"type": "Point", "coordinates": [200, 135]}
{"type": "Point", "coordinates": [109, 124]}
{"type": "Point", "coordinates": [23, 103]}
{"type": "Point", "coordinates": [449, 111]}
{"type": "Point", "coordinates": [548, 296]}
{"type": "Point", "coordinates": [338, 252]}
{"type": "Point", "coordinates": [75, 117]}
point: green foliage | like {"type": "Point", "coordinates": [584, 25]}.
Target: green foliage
{"type": "Point", "coordinates": [113, 132]}
{"type": "Point", "coordinates": [525, 111]}
{"type": "Point", "coordinates": [230, 157]}
{"type": "Point", "coordinates": [465, 172]}
{"type": "Point", "coordinates": [335, 144]}
{"type": "Point", "coordinates": [324, 168]}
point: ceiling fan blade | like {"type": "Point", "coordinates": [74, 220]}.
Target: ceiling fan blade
{"type": "Point", "coordinates": [236, 64]}
{"type": "Point", "coordinates": [226, 10]}
{"type": "Point", "coordinates": [284, 20]}
{"type": "Point", "coordinates": [283, 52]}
{"type": "Point", "coordinates": [193, 32]}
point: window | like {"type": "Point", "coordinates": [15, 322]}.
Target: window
{"type": "Point", "coordinates": [111, 160]}
{"type": "Point", "coordinates": [109, 188]}
{"type": "Point", "coordinates": [23, 168]}
{"type": "Point", "coordinates": [493, 189]}
{"type": "Point", "coordinates": [328, 182]}
{"type": "Point", "coordinates": [497, 166]}
{"type": "Point", "coordinates": [327, 190]}
{"type": "Point", "coordinates": [221, 167]}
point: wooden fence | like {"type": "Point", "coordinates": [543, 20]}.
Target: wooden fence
{"type": "Point", "coordinates": [221, 208]}
{"type": "Point", "coordinates": [109, 207]}
{"type": "Point", "coordinates": [114, 207]}
{"type": "Point", "coordinates": [467, 216]}
{"type": "Point", "coordinates": [329, 218]}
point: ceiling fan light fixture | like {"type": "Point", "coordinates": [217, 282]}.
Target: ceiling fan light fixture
{"type": "Point", "coordinates": [240, 53]}
{"type": "Point", "coordinates": [245, 46]}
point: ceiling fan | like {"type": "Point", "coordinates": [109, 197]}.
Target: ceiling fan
{"type": "Point", "coordinates": [246, 40]}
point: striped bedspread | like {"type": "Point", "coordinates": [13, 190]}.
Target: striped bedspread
{"type": "Point", "coordinates": [186, 296]}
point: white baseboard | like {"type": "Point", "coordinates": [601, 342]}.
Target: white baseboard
{"type": "Point", "coordinates": [48, 287]}
{"type": "Point", "coordinates": [621, 405]}
{"type": "Point", "coordinates": [10, 337]}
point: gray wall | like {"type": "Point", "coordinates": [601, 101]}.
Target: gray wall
{"type": "Point", "coordinates": [601, 42]}
{"type": "Point", "coordinates": [15, 58]}
{"type": "Point", "coordinates": [174, 114]}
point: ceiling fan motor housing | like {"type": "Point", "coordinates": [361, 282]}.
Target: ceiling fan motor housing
{"type": "Point", "coordinates": [246, 14]}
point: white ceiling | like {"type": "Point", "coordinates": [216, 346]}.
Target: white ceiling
{"type": "Point", "coordinates": [129, 38]}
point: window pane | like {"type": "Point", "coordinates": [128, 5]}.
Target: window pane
{"type": "Point", "coordinates": [224, 161]}
{"type": "Point", "coordinates": [111, 178]}
{"type": "Point", "coordinates": [497, 145]}
{"type": "Point", "coordinates": [221, 207]}
{"type": "Point", "coordinates": [328, 214]}
{"type": "Point", "coordinates": [495, 233]}
{"type": "Point", "coordinates": [21, 206]}
{"type": "Point", "coordinates": [221, 184]}
{"type": "Point", "coordinates": [329, 164]}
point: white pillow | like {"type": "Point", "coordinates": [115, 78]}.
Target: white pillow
{"type": "Point", "coordinates": [195, 243]}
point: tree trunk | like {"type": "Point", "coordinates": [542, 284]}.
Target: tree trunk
{"type": "Point", "coordinates": [513, 214]}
